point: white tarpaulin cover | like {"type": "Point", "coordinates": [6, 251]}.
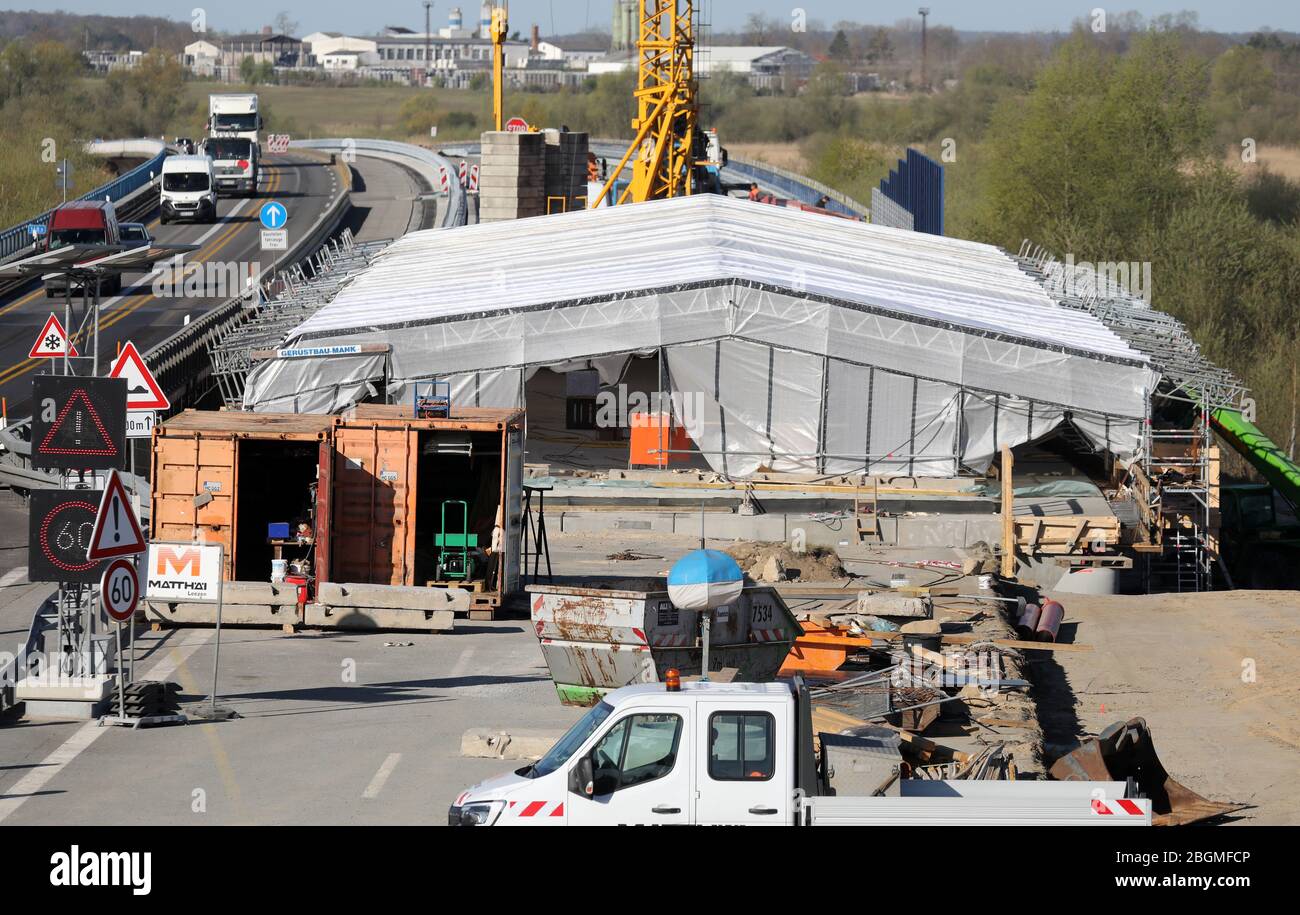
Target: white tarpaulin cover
{"type": "Point", "coordinates": [812, 342]}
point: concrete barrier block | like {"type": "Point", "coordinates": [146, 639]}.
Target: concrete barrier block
{"type": "Point", "coordinates": [392, 597]}
{"type": "Point", "coordinates": [374, 618]}
{"type": "Point", "coordinates": [231, 614]}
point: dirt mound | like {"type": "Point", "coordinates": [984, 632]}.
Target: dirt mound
{"type": "Point", "coordinates": [772, 562]}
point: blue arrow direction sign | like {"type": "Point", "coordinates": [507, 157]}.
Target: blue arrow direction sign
{"type": "Point", "coordinates": [274, 215]}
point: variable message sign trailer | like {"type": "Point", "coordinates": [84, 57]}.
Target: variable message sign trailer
{"type": "Point", "coordinates": [372, 519]}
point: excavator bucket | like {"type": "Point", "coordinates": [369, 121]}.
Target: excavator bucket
{"type": "Point", "coordinates": [1126, 751]}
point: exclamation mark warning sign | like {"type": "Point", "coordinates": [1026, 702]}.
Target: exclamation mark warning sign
{"type": "Point", "coordinates": [78, 423]}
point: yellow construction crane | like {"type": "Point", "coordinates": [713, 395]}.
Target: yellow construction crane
{"type": "Point", "coordinates": [499, 30]}
{"type": "Point", "coordinates": [667, 107]}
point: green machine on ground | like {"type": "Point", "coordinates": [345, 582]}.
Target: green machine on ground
{"type": "Point", "coordinates": [458, 552]}
{"type": "Point", "coordinates": [1260, 547]}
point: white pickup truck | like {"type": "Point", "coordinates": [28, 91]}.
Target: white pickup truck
{"type": "Point", "coordinates": [742, 754]}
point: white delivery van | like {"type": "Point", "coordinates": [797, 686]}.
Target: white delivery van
{"type": "Point", "coordinates": [235, 163]}
{"type": "Point", "coordinates": [742, 754]}
{"type": "Point", "coordinates": [189, 190]}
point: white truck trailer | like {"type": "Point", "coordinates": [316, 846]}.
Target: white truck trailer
{"type": "Point", "coordinates": [234, 115]}
{"type": "Point", "coordinates": [742, 754]}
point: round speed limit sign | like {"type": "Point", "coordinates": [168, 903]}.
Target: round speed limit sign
{"type": "Point", "coordinates": [119, 590]}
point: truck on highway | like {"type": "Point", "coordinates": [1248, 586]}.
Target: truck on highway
{"type": "Point", "coordinates": [743, 754]}
{"type": "Point", "coordinates": [236, 163]}
{"type": "Point", "coordinates": [82, 222]}
{"type": "Point", "coordinates": [189, 189]}
{"type": "Point", "coordinates": [234, 115]}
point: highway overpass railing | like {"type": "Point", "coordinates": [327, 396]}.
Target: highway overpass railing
{"type": "Point", "coordinates": [425, 162]}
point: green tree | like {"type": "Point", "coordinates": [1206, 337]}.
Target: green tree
{"type": "Point", "coordinates": [839, 48]}
{"type": "Point", "coordinates": [880, 48]}
{"type": "Point", "coordinates": [418, 113]}
{"type": "Point", "coordinates": [1096, 153]}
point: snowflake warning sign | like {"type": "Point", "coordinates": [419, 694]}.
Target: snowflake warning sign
{"type": "Point", "coordinates": [53, 342]}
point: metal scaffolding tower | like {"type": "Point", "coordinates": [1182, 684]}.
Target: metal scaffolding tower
{"type": "Point", "coordinates": [1177, 481]}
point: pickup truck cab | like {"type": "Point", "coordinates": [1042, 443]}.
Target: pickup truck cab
{"type": "Point", "coordinates": [742, 754]}
{"type": "Point", "coordinates": [81, 222]}
{"type": "Point", "coordinates": [189, 189]}
{"type": "Point", "coordinates": [235, 163]}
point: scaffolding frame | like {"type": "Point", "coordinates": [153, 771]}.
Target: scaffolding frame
{"type": "Point", "coordinates": [282, 303]}
{"type": "Point", "coordinates": [1182, 497]}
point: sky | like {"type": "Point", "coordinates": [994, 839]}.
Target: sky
{"type": "Point", "coordinates": [568, 16]}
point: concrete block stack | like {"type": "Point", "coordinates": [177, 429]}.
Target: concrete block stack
{"type": "Point", "coordinates": [566, 170]}
{"type": "Point", "coordinates": [512, 176]}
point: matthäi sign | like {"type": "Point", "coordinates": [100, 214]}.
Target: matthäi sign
{"type": "Point", "coordinates": [184, 572]}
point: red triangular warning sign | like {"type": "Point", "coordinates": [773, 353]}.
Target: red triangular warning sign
{"type": "Point", "coordinates": [73, 440]}
{"type": "Point", "coordinates": [52, 342]}
{"type": "Point", "coordinates": [142, 390]}
{"type": "Point", "coordinates": [117, 532]}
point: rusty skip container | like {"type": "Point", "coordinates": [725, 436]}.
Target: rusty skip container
{"type": "Point", "coordinates": [389, 479]}
{"type": "Point", "coordinates": [212, 472]}
{"type": "Point", "coordinates": [595, 640]}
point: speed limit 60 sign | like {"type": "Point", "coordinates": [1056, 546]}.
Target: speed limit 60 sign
{"type": "Point", "coordinates": [119, 589]}
{"type": "Point", "coordinates": [60, 524]}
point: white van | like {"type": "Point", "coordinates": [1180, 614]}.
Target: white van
{"type": "Point", "coordinates": [189, 189]}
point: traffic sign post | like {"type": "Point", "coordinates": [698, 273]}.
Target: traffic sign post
{"type": "Point", "coordinates": [190, 572]}
{"type": "Point", "coordinates": [119, 595]}
{"type": "Point", "coordinates": [116, 532]}
{"type": "Point", "coordinates": [273, 215]}
{"type": "Point", "coordinates": [59, 525]}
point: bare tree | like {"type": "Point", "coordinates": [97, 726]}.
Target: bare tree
{"type": "Point", "coordinates": [284, 24]}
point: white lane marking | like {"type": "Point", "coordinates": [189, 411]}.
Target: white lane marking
{"type": "Point", "coordinates": [13, 577]}
{"type": "Point", "coordinates": [377, 783]}
{"type": "Point", "coordinates": [84, 736]}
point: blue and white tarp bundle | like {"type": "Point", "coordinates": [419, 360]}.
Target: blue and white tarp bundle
{"type": "Point", "coordinates": [704, 580]}
{"type": "Point", "coordinates": [807, 343]}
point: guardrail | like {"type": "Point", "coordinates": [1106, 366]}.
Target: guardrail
{"type": "Point", "coordinates": [15, 238]}
{"type": "Point", "coordinates": [800, 187]}
{"type": "Point", "coordinates": [792, 184]}
{"type": "Point", "coordinates": [425, 162]}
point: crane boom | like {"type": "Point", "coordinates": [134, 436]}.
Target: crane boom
{"type": "Point", "coordinates": [666, 124]}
